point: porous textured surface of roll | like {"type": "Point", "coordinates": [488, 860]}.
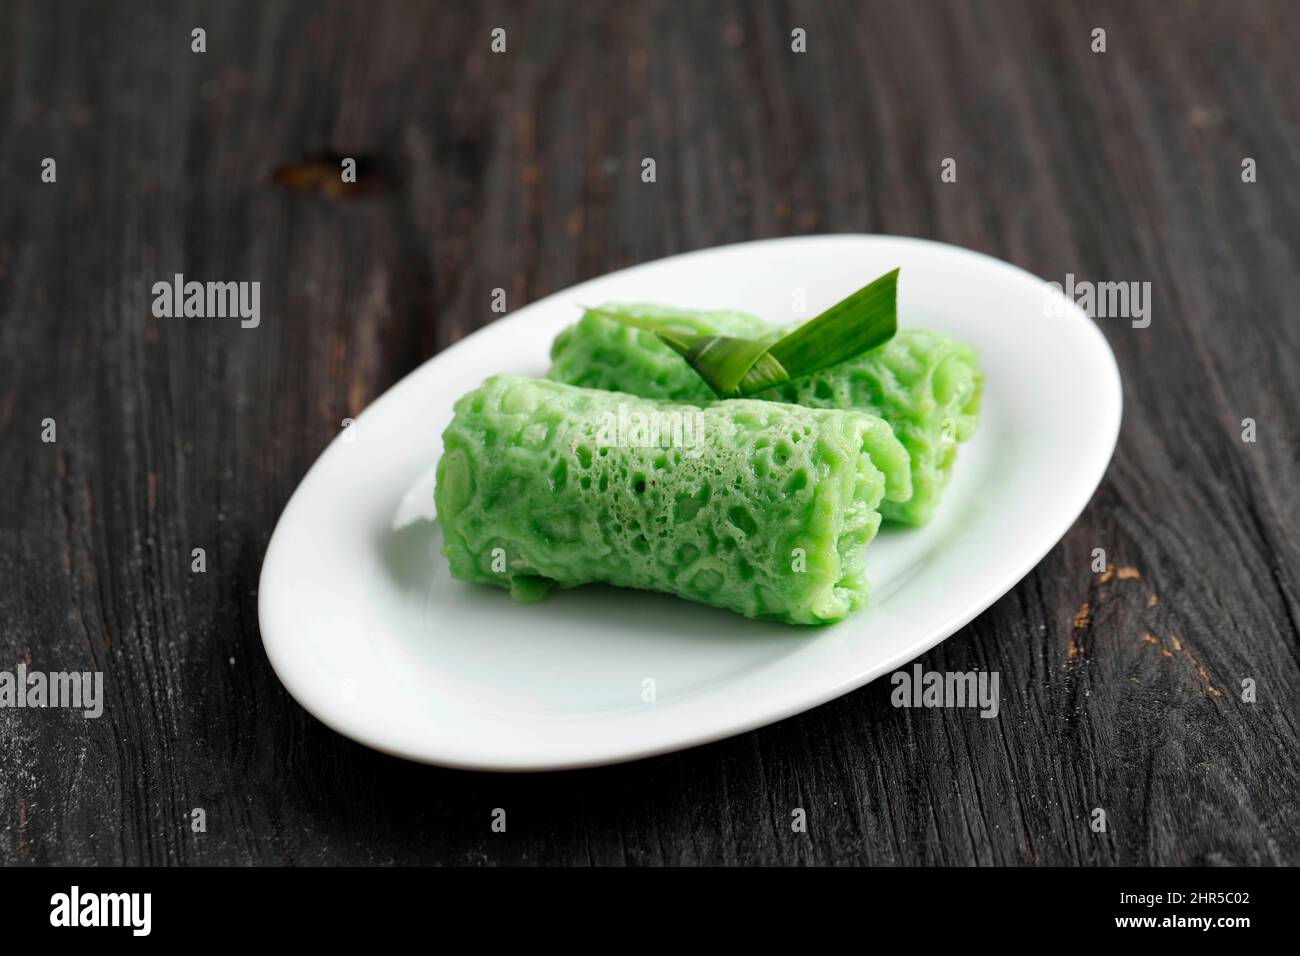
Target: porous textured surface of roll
{"type": "Point", "coordinates": [761, 507]}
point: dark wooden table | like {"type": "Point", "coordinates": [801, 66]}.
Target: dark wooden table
{"type": "Point", "coordinates": [522, 170]}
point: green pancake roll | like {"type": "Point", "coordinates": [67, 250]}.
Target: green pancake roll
{"type": "Point", "coordinates": [760, 507]}
{"type": "Point", "coordinates": [925, 384]}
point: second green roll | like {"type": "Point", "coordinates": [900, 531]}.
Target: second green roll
{"type": "Point", "coordinates": [925, 384]}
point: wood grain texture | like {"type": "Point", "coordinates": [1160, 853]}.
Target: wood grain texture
{"type": "Point", "coordinates": [521, 171]}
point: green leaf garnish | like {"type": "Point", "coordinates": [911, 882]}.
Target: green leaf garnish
{"type": "Point", "coordinates": [734, 367]}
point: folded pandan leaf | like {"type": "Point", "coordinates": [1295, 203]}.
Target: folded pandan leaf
{"type": "Point", "coordinates": [735, 367]}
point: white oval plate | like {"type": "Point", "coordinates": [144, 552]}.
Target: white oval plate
{"type": "Point", "coordinates": [366, 628]}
